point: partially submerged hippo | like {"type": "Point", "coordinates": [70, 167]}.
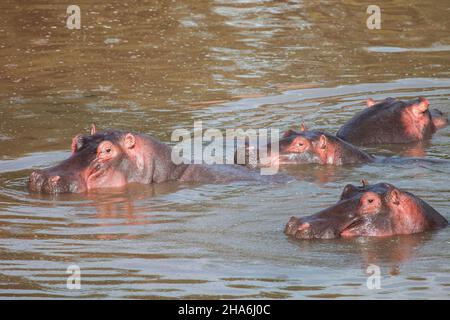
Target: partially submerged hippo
{"type": "Point", "coordinates": [393, 121]}
{"type": "Point", "coordinates": [114, 158]}
{"type": "Point", "coordinates": [369, 210]}
{"type": "Point", "coordinates": [309, 146]}
{"type": "Point", "coordinates": [315, 146]}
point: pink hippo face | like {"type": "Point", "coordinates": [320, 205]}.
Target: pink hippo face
{"type": "Point", "coordinates": [369, 210]}
{"type": "Point", "coordinates": [100, 160]}
{"type": "Point", "coordinates": [313, 146]}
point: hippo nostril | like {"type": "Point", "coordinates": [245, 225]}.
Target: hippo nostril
{"type": "Point", "coordinates": [35, 175]}
{"type": "Point", "coordinates": [291, 226]}
{"type": "Point", "coordinates": [36, 180]}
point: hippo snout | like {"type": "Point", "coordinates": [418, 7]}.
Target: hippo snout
{"type": "Point", "coordinates": [36, 181]}
{"type": "Point", "coordinates": [291, 226]}
{"type": "Point", "coordinates": [43, 182]}
{"type": "Point", "coordinates": [299, 229]}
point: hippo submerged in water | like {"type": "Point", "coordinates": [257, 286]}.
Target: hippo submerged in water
{"type": "Point", "coordinates": [369, 210]}
{"type": "Point", "coordinates": [315, 146]}
{"type": "Point", "coordinates": [393, 121]}
{"type": "Point", "coordinates": [114, 158]}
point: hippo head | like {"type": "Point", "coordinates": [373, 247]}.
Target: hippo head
{"type": "Point", "coordinates": [416, 111]}
{"type": "Point", "coordinates": [296, 147]}
{"type": "Point", "coordinates": [368, 210]}
{"type": "Point", "coordinates": [101, 159]}
{"type": "Point", "coordinates": [393, 121]}
{"type": "Point", "coordinates": [314, 146]}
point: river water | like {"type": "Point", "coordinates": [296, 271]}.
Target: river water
{"type": "Point", "coordinates": [156, 66]}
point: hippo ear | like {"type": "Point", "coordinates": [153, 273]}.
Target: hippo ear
{"type": "Point", "coordinates": [130, 140]}
{"type": "Point", "coordinates": [302, 127]}
{"type": "Point", "coordinates": [93, 128]}
{"type": "Point", "coordinates": [323, 141]}
{"type": "Point", "coordinates": [370, 102]}
{"type": "Point", "coordinates": [421, 106]}
{"type": "Point", "coordinates": [76, 143]}
{"type": "Point", "coordinates": [394, 196]}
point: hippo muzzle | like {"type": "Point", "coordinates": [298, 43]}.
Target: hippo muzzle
{"type": "Point", "coordinates": [98, 160]}
{"type": "Point", "coordinates": [44, 181]}
{"type": "Point", "coordinates": [326, 224]}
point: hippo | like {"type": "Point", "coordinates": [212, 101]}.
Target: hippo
{"type": "Point", "coordinates": [377, 210]}
{"type": "Point", "coordinates": [393, 121]}
{"type": "Point", "coordinates": [114, 158]}
{"type": "Point", "coordinates": [310, 146]}
{"type": "Point", "coordinates": [316, 146]}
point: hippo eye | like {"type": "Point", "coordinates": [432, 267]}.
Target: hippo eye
{"type": "Point", "coordinates": [108, 150]}
{"type": "Point", "coordinates": [299, 144]}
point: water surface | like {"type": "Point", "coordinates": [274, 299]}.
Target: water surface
{"type": "Point", "coordinates": [155, 66]}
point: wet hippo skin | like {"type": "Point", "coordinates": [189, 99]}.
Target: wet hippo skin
{"type": "Point", "coordinates": [393, 121]}
{"type": "Point", "coordinates": [316, 146]}
{"type": "Point", "coordinates": [368, 210]}
{"type": "Point", "coordinates": [114, 158]}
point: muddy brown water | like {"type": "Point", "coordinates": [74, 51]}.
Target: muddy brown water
{"type": "Point", "coordinates": [155, 66]}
